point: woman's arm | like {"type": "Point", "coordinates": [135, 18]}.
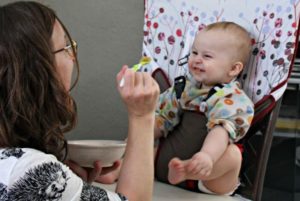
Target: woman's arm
{"type": "Point", "coordinates": [140, 94]}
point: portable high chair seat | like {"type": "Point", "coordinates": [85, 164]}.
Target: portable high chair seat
{"type": "Point", "coordinates": [169, 30]}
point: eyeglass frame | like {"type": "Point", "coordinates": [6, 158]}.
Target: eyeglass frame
{"type": "Point", "coordinates": [73, 44]}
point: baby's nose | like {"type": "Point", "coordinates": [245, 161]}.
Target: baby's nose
{"type": "Point", "coordinates": [198, 59]}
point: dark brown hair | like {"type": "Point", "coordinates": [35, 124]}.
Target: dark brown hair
{"type": "Point", "coordinates": [35, 108]}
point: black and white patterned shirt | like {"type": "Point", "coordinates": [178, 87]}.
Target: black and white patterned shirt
{"type": "Point", "coordinates": [28, 174]}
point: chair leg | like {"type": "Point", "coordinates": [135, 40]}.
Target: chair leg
{"type": "Point", "coordinates": [265, 151]}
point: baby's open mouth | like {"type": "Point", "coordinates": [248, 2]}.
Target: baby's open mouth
{"type": "Point", "coordinates": [199, 70]}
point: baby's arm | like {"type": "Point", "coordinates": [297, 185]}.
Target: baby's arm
{"type": "Point", "coordinates": [216, 143]}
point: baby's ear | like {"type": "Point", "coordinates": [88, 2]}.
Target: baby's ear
{"type": "Point", "coordinates": [236, 68]}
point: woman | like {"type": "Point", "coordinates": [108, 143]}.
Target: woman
{"type": "Point", "coordinates": [37, 56]}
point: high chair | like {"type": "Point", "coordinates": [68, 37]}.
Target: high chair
{"type": "Point", "coordinates": [169, 29]}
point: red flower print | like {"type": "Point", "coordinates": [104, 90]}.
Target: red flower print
{"type": "Point", "coordinates": [179, 32]}
{"type": "Point", "coordinates": [278, 22]}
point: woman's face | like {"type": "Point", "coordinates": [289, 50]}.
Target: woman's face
{"type": "Point", "coordinates": [64, 61]}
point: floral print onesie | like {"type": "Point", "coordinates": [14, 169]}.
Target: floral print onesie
{"type": "Point", "coordinates": [229, 107]}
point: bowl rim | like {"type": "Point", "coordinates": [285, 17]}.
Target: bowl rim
{"type": "Point", "coordinates": [76, 143]}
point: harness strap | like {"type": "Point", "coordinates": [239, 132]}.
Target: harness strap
{"type": "Point", "coordinates": [179, 84]}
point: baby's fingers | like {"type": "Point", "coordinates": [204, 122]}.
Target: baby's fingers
{"type": "Point", "coordinates": [192, 166]}
{"type": "Point", "coordinates": [205, 172]}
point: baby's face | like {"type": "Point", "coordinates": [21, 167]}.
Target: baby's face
{"type": "Point", "coordinates": [212, 57]}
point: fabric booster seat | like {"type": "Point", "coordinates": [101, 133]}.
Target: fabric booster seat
{"type": "Point", "coordinates": [169, 30]}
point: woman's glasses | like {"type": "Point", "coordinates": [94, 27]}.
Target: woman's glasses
{"type": "Point", "coordinates": [69, 49]}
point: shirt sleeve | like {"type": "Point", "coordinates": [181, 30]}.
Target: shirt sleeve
{"type": "Point", "coordinates": [233, 110]}
{"type": "Point", "coordinates": [167, 112]}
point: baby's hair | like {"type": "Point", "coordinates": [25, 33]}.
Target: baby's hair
{"type": "Point", "coordinates": [242, 42]}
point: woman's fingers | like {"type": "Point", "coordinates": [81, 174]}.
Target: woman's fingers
{"type": "Point", "coordinates": [151, 84]}
{"type": "Point", "coordinates": [112, 168]}
{"type": "Point", "coordinates": [80, 171]}
{"type": "Point", "coordinates": [139, 92]}
{"type": "Point", "coordinates": [87, 174]}
{"type": "Point", "coordinates": [121, 73]}
{"type": "Point", "coordinates": [128, 75]}
{"type": "Point", "coordinates": [147, 81]}
{"type": "Point", "coordinates": [93, 173]}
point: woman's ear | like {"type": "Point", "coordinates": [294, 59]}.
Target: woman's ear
{"type": "Point", "coordinates": [236, 69]}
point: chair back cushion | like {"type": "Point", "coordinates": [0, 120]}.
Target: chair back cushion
{"type": "Point", "coordinates": [170, 27]}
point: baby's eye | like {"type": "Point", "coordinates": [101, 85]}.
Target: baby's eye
{"type": "Point", "coordinates": [207, 56]}
{"type": "Point", "coordinates": [194, 52]}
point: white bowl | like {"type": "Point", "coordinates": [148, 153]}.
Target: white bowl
{"type": "Point", "coordinates": [86, 152]}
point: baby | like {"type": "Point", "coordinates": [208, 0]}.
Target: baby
{"type": "Point", "coordinates": [218, 55]}
{"type": "Point", "coordinates": [198, 126]}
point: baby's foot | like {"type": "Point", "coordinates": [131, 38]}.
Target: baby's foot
{"type": "Point", "coordinates": [199, 166]}
{"type": "Point", "coordinates": [176, 171]}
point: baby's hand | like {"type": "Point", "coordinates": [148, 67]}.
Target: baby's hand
{"type": "Point", "coordinates": [200, 164]}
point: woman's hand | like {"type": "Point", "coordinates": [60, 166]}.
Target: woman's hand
{"type": "Point", "coordinates": [91, 174]}
{"type": "Point", "coordinates": [139, 92]}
